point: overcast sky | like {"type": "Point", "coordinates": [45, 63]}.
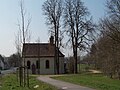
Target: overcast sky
{"type": "Point", "coordinates": [10, 14]}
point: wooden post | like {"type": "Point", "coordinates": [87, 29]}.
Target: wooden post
{"type": "Point", "coordinates": [21, 76]}
{"type": "Point", "coordinates": [27, 77]}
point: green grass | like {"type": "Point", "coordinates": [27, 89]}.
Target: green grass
{"type": "Point", "coordinates": [96, 81]}
{"type": "Point", "coordinates": [9, 82]}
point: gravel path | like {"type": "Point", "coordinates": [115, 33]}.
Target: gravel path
{"type": "Point", "coordinates": [62, 85]}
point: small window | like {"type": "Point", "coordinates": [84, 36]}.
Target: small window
{"type": "Point", "coordinates": [28, 64]}
{"type": "Point", "coordinates": [47, 64]}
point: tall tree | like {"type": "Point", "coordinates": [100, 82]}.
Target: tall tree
{"type": "Point", "coordinates": [22, 37]}
{"type": "Point", "coordinates": [79, 28]}
{"type": "Point", "coordinates": [53, 12]}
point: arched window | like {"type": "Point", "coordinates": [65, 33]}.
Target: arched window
{"type": "Point", "coordinates": [28, 64]}
{"type": "Point", "coordinates": [47, 64]}
{"type": "Point", "coordinates": [37, 64]}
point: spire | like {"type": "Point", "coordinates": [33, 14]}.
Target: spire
{"type": "Point", "coordinates": [52, 40]}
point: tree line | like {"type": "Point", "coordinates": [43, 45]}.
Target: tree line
{"type": "Point", "coordinates": [105, 52]}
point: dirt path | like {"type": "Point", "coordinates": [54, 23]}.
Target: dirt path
{"type": "Point", "coordinates": [95, 71]}
{"type": "Point", "coordinates": [61, 85]}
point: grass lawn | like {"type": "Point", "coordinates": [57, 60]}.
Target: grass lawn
{"type": "Point", "coordinates": [96, 81]}
{"type": "Point", "coordinates": [9, 82]}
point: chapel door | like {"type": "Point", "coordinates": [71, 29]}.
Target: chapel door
{"type": "Point", "coordinates": [33, 69]}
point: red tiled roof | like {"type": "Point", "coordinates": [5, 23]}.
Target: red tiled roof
{"type": "Point", "coordinates": [39, 50]}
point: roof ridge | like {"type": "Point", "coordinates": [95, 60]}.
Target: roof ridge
{"type": "Point", "coordinates": [35, 43]}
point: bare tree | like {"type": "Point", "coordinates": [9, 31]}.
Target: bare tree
{"type": "Point", "coordinates": [110, 26]}
{"type": "Point", "coordinates": [79, 29]}
{"type": "Point", "coordinates": [53, 12]}
{"type": "Point", "coordinates": [22, 37]}
{"type": "Point", "coordinates": [106, 53]}
{"type": "Point", "coordinates": [111, 23]}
